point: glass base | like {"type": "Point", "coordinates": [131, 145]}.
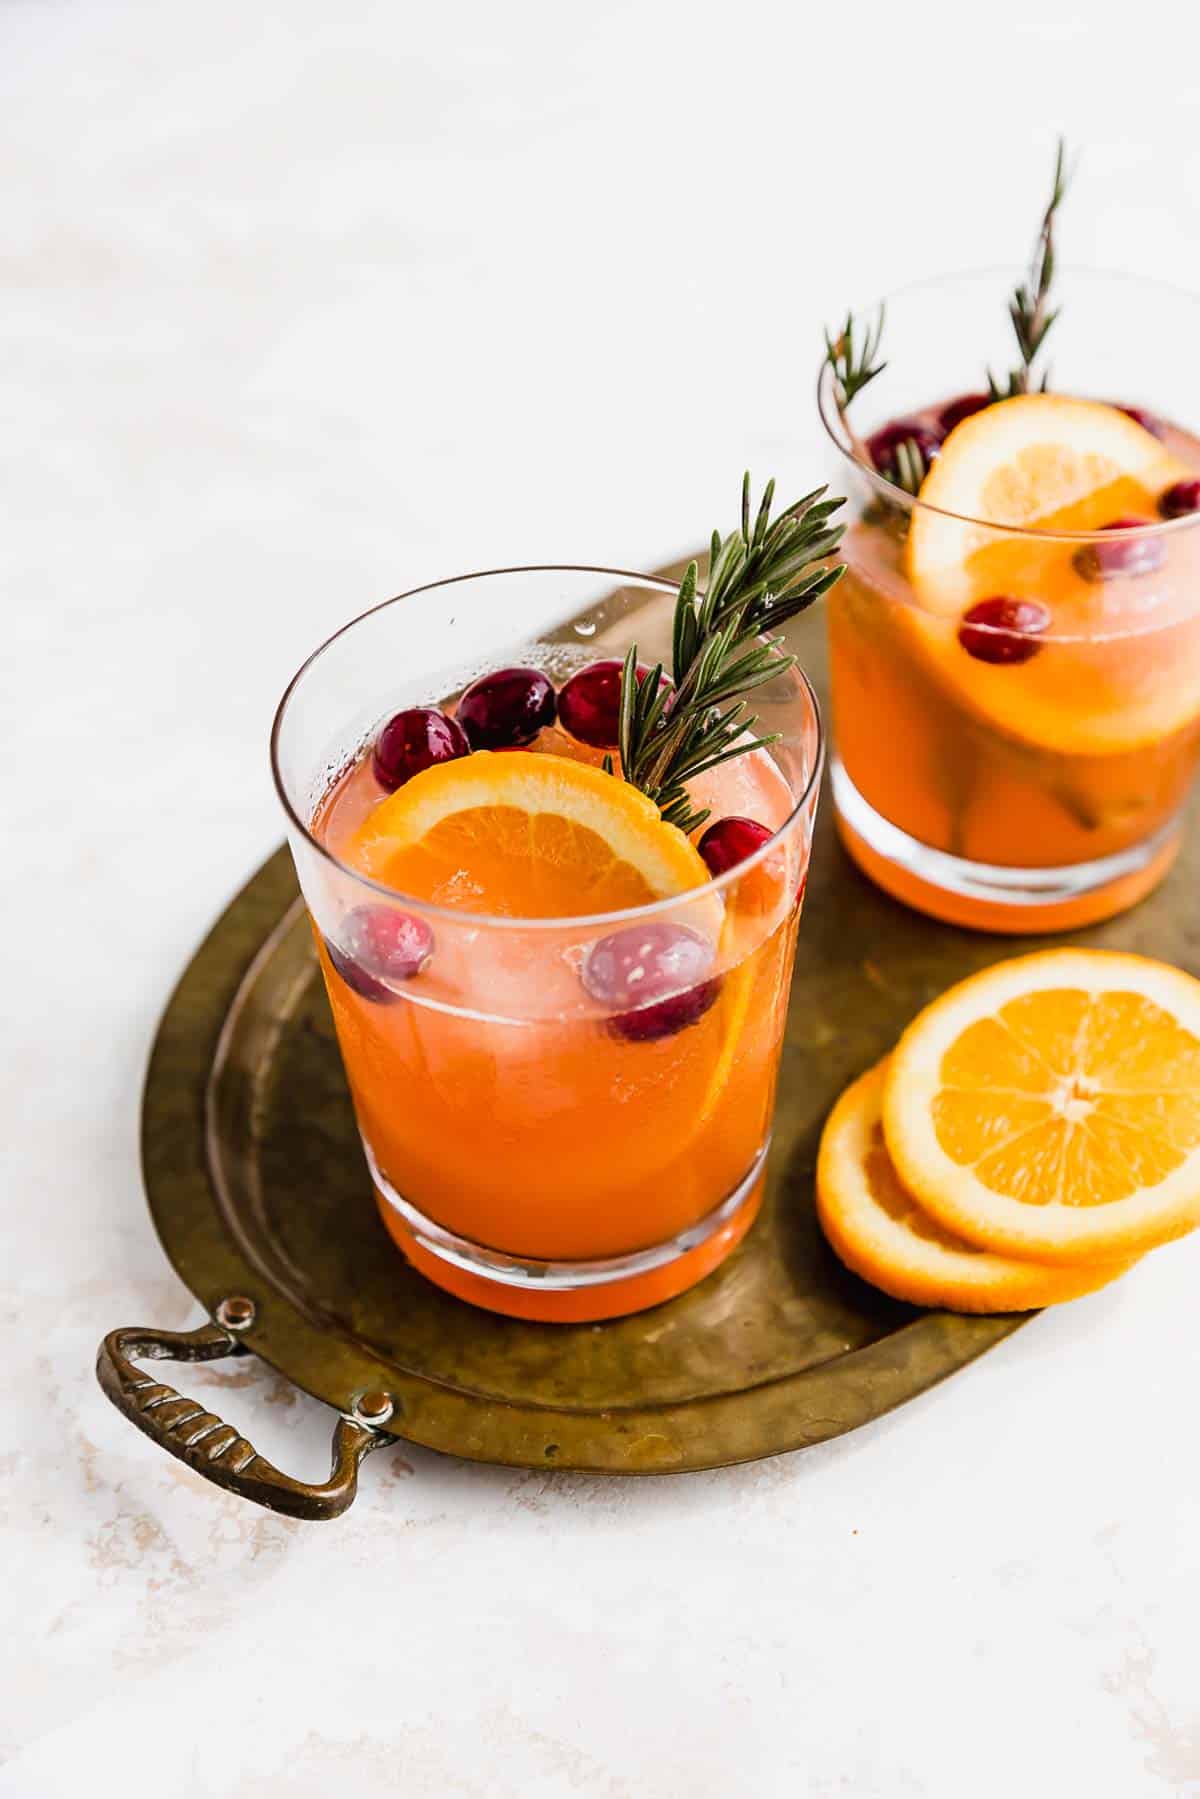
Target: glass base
{"type": "Point", "coordinates": [570, 1292]}
{"type": "Point", "coordinates": [987, 896]}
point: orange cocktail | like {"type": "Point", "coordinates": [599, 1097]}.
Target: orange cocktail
{"type": "Point", "coordinates": [561, 1024]}
{"type": "Point", "coordinates": [1015, 648]}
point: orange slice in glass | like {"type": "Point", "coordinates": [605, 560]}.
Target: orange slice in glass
{"type": "Point", "coordinates": [1030, 467]}
{"type": "Point", "coordinates": [1040, 462]}
{"type": "Point", "coordinates": [1049, 1107]}
{"type": "Point", "coordinates": [877, 1229]}
{"type": "Point", "coordinates": [523, 836]}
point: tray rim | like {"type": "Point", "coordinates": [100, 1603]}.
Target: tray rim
{"type": "Point", "coordinates": [784, 1413]}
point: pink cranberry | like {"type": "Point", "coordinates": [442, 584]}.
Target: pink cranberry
{"type": "Point", "coordinates": [730, 841]}
{"type": "Point", "coordinates": [414, 740]}
{"type": "Point", "coordinates": [652, 976]}
{"type": "Point", "coordinates": [884, 445]}
{"type": "Point", "coordinates": [1149, 421]}
{"type": "Point", "coordinates": [589, 705]}
{"type": "Point", "coordinates": [1179, 500]}
{"type": "Point", "coordinates": [506, 710]}
{"type": "Point", "coordinates": [379, 945]}
{"type": "Point", "coordinates": [965, 407]}
{"type": "Point", "coordinates": [1139, 555]}
{"type": "Point", "coordinates": [1003, 630]}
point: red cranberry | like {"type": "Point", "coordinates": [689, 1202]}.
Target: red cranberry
{"type": "Point", "coordinates": [589, 705]}
{"type": "Point", "coordinates": [1003, 630]}
{"type": "Point", "coordinates": [653, 977]}
{"type": "Point", "coordinates": [965, 407]}
{"type": "Point", "coordinates": [1147, 420]}
{"type": "Point", "coordinates": [1179, 500]}
{"type": "Point", "coordinates": [1123, 556]}
{"type": "Point", "coordinates": [380, 945]}
{"type": "Point", "coordinates": [886, 442]}
{"type": "Point", "coordinates": [730, 841]}
{"type": "Point", "coordinates": [414, 740]}
{"type": "Point", "coordinates": [506, 710]}
{"type": "Point", "coordinates": [650, 1023]}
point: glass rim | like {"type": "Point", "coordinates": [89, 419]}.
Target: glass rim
{"type": "Point", "coordinates": [896, 495]}
{"type": "Point", "coordinates": [717, 884]}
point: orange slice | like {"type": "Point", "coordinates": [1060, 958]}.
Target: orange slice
{"type": "Point", "coordinates": [525, 836]}
{"type": "Point", "coordinates": [1049, 1107]}
{"type": "Point", "coordinates": [1042, 463]}
{"type": "Point", "coordinates": [736, 994]}
{"type": "Point", "coordinates": [1038, 462]}
{"type": "Point", "coordinates": [878, 1230]}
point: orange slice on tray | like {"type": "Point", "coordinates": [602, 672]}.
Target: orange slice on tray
{"type": "Point", "coordinates": [525, 836]}
{"type": "Point", "coordinates": [878, 1230]}
{"type": "Point", "coordinates": [1049, 1107]}
{"type": "Point", "coordinates": [1031, 467]}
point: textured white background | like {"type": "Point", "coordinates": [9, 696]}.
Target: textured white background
{"type": "Point", "coordinates": [305, 303]}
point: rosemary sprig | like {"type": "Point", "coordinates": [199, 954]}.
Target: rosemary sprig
{"type": "Point", "coordinates": [1029, 307]}
{"type": "Point", "coordinates": [760, 576]}
{"type": "Point", "coordinates": [854, 365]}
{"type": "Point", "coordinates": [854, 360]}
{"type": "Point", "coordinates": [908, 466]}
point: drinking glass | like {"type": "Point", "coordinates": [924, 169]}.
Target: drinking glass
{"type": "Point", "coordinates": [531, 1149]}
{"type": "Point", "coordinates": [979, 779]}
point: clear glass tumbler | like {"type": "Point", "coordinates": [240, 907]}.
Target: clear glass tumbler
{"type": "Point", "coordinates": [980, 776]}
{"type": "Point", "coordinates": [531, 1150]}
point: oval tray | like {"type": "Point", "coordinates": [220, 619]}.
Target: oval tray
{"type": "Point", "coordinates": [258, 1190]}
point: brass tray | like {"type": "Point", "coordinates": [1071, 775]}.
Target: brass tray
{"type": "Point", "coordinates": [258, 1190]}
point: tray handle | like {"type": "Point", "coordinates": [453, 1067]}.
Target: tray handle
{"type": "Point", "coordinates": [191, 1433]}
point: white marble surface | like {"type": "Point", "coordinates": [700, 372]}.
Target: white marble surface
{"type": "Point", "coordinates": [303, 304]}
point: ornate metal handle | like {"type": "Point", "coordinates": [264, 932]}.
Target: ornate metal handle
{"type": "Point", "coordinates": [205, 1442]}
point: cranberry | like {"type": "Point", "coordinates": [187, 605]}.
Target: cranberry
{"type": "Point", "coordinates": [1147, 420]}
{"type": "Point", "coordinates": [652, 975]}
{"type": "Point", "coordinates": [730, 841]}
{"type": "Point", "coordinates": [1123, 556]}
{"type": "Point", "coordinates": [1003, 630]}
{"type": "Point", "coordinates": [589, 705]}
{"type": "Point", "coordinates": [414, 740]}
{"type": "Point", "coordinates": [965, 407]}
{"type": "Point", "coordinates": [886, 442]}
{"type": "Point", "coordinates": [1179, 500]}
{"type": "Point", "coordinates": [650, 1023]}
{"type": "Point", "coordinates": [507, 709]}
{"type": "Point", "coordinates": [378, 945]}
